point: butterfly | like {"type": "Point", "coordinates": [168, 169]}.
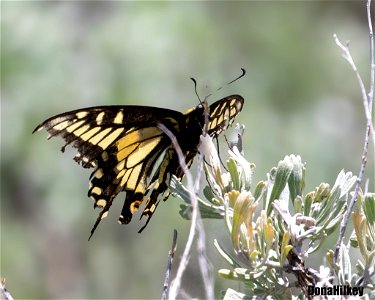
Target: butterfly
{"type": "Point", "coordinates": [130, 152]}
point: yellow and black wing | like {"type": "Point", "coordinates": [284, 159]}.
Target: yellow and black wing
{"type": "Point", "coordinates": [123, 145]}
{"type": "Point", "coordinates": [222, 114]}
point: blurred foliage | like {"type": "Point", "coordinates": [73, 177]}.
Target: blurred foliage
{"type": "Point", "coordinates": [300, 97]}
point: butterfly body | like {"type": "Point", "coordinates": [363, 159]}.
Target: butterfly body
{"type": "Point", "coordinates": [124, 143]}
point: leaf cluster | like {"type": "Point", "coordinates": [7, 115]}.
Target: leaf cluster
{"type": "Point", "coordinates": [275, 225]}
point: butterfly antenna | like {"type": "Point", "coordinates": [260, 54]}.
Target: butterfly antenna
{"type": "Point", "coordinates": [242, 75]}
{"type": "Point", "coordinates": [195, 89]}
{"type": "Point", "coordinates": [204, 104]}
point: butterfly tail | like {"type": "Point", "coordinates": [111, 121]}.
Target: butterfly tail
{"type": "Point", "coordinates": [133, 200]}
{"type": "Point", "coordinates": [103, 214]}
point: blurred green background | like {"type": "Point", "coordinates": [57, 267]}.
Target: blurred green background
{"type": "Point", "coordinates": [300, 97]}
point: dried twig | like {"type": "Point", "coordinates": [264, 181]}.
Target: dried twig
{"type": "Point", "coordinates": [367, 104]}
{"type": "Point", "coordinates": [372, 62]}
{"type": "Point", "coordinates": [169, 265]}
{"type": "Point", "coordinates": [4, 292]}
{"type": "Point", "coordinates": [205, 267]}
{"type": "Point", "coordinates": [176, 283]}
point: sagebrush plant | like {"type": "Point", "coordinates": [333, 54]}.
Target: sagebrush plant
{"type": "Point", "coordinates": [275, 225]}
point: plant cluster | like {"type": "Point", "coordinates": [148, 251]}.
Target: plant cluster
{"type": "Point", "coordinates": [275, 226]}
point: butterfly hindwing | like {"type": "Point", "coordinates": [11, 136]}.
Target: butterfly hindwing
{"type": "Point", "coordinates": [127, 167]}
{"type": "Point", "coordinates": [129, 152]}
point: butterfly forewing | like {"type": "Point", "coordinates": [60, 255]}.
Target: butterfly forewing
{"type": "Point", "coordinates": [222, 114]}
{"type": "Point", "coordinates": [124, 145]}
